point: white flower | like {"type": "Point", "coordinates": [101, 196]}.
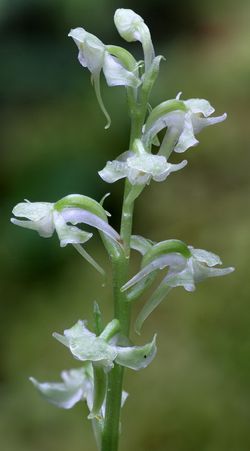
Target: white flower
{"type": "Point", "coordinates": [102, 350]}
{"type": "Point", "coordinates": [132, 27]}
{"type": "Point", "coordinates": [139, 167]}
{"type": "Point", "coordinates": [184, 270]}
{"type": "Point", "coordinates": [186, 118]}
{"type": "Point", "coordinates": [45, 218]}
{"type": "Point", "coordinates": [77, 385]}
{"type": "Point", "coordinates": [94, 55]}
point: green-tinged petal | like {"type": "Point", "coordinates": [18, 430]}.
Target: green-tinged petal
{"type": "Point", "coordinates": [113, 171]}
{"type": "Point", "coordinates": [136, 357]}
{"type": "Point", "coordinates": [140, 244]}
{"type": "Point", "coordinates": [117, 75]}
{"type": "Point", "coordinates": [33, 210]}
{"type": "Point", "coordinates": [203, 256]}
{"type": "Point", "coordinates": [197, 106]}
{"type": "Point", "coordinates": [202, 272]}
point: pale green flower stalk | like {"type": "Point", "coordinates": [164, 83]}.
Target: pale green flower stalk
{"type": "Point", "coordinates": [104, 352]}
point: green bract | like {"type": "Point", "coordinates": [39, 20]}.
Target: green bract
{"type": "Point", "coordinates": [139, 167]}
{"type": "Point", "coordinates": [102, 350]}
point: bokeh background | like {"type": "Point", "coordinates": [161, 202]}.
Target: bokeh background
{"type": "Point", "coordinates": [195, 395]}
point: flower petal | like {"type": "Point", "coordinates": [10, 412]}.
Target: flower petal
{"type": "Point", "coordinates": [136, 357]}
{"type": "Point", "coordinates": [117, 75]}
{"type": "Point", "coordinates": [113, 171]}
{"type": "Point", "coordinates": [75, 386]}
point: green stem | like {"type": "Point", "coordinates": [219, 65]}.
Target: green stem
{"type": "Point", "coordinates": [122, 308]}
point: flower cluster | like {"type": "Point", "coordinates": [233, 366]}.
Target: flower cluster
{"type": "Point", "coordinates": [99, 353]}
{"type": "Point", "coordinates": [171, 126]}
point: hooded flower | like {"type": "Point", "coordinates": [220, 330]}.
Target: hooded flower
{"type": "Point", "coordinates": [45, 218]}
{"type": "Point", "coordinates": [139, 167]}
{"type": "Point", "coordinates": [132, 27]}
{"type": "Point", "coordinates": [186, 271]}
{"type": "Point", "coordinates": [94, 55]}
{"type": "Point", "coordinates": [185, 119]}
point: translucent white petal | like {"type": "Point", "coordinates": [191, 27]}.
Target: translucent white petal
{"type": "Point", "coordinates": [187, 138]}
{"type": "Point", "coordinates": [113, 171]}
{"type": "Point", "coordinates": [39, 215]}
{"type": "Point", "coordinates": [75, 386]}
{"type": "Point", "coordinates": [136, 357]}
{"type": "Point", "coordinates": [170, 168]}
{"type": "Point", "coordinates": [200, 122]}
{"type": "Point", "coordinates": [202, 272]}
{"type": "Point", "coordinates": [91, 49]}
{"type": "Point", "coordinates": [33, 210]}
{"type": "Point", "coordinates": [209, 258]}
{"type": "Point", "coordinates": [85, 346]}
{"type": "Point", "coordinates": [117, 75]}
{"type": "Point", "coordinates": [199, 106]}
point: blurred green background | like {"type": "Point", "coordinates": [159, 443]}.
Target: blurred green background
{"type": "Point", "coordinates": [196, 393]}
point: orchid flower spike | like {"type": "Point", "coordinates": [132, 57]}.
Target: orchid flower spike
{"type": "Point", "coordinates": [132, 27]}
{"type": "Point", "coordinates": [94, 55]}
{"type": "Point", "coordinates": [102, 350]}
{"type": "Point", "coordinates": [187, 267]}
{"type": "Point", "coordinates": [183, 120]}
{"type": "Point", "coordinates": [45, 218]}
{"type": "Point", "coordinates": [139, 167]}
